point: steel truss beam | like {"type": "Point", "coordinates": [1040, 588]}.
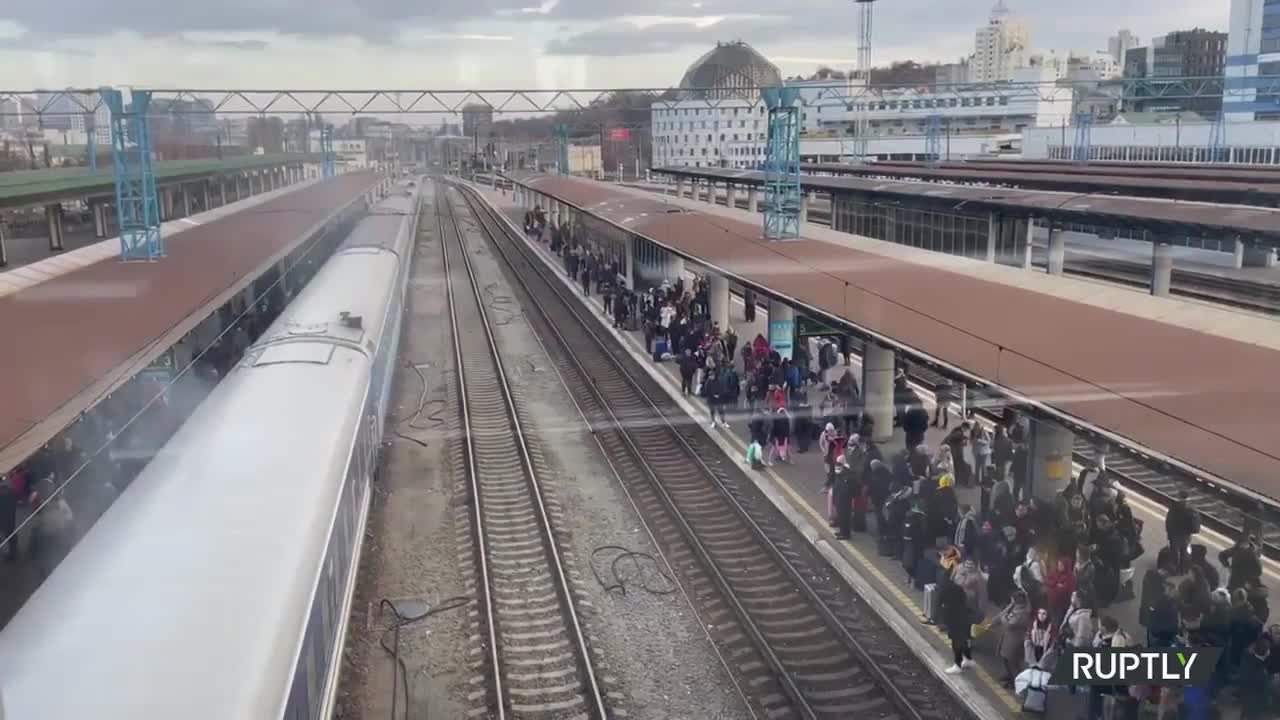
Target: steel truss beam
{"type": "Point", "coordinates": [530, 101]}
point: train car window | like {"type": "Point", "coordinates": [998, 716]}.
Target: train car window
{"type": "Point", "coordinates": [325, 595]}
{"type": "Point", "coordinates": [310, 665]}
{"type": "Point", "coordinates": [299, 707]}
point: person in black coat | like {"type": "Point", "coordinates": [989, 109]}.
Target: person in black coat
{"type": "Point", "coordinates": [958, 622]}
{"type": "Point", "coordinates": [1180, 523]}
{"type": "Point", "coordinates": [687, 367]}
{"type": "Point", "coordinates": [1255, 682]}
{"type": "Point", "coordinates": [915, 423]}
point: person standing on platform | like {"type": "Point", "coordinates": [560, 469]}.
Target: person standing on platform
{"type": "Point", "coordinates": [731, 387]}
{"type": "Point", "coordinates": [848, 484]}
{"type": "Point", "coordinates": [687, 367]}
{"type": "Point", "coordinates": [958, 621]}
{"type": "Point", "coordinates": [749, 305]}
{"type": "Point", "coordinates": [1180, 523]}
{"type": "Point", "coordinates": [713, 390]}
{"type": "Point", "coordinates": [942, 398]}
{"type": "Point", "coordinates": [781, 436]}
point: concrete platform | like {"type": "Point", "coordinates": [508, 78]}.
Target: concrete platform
{"type": "Point", "coordinates": [795, 489]}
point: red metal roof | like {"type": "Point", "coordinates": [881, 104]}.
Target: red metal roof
{"type": "Point", "coordinates": [1201, 399]}
{"type": "Point", "coordinates": [69, 332]}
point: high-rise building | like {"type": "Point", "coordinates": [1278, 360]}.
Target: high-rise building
{"type": "Point", "coordinates": [1000, 46]}
{"type": "Point", "coordinates": [1253, 49]}
{"type": "Point", "coordinates": [1120, 43]}
{"type": "Point", "coordinates": [1197, 53]}
{"type": "Point", "coordinates": [101, 124]}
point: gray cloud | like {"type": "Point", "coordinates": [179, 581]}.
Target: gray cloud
{"type": "Point", "coordinates": [1081, 23]}
{"type": "Point", "coordinates": [240, 44]}
{"type": "Point", "coordinates": [622, 38]}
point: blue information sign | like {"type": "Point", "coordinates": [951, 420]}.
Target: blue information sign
{"type": "Point", "coordinates": [781, 336]}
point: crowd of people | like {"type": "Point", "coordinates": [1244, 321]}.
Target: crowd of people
{"type": "Point", "coordinates": [1041, 575]}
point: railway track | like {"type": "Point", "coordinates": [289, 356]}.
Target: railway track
{"type": "Point", "coordinates": [802, 643]}
{"type": "Point", "coordinates": [539, 663]}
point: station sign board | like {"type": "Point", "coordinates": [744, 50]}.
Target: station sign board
{"type": "Point", "coordinates": [162, 369]}
{"type": "Point", "coordinates": [808, 327]}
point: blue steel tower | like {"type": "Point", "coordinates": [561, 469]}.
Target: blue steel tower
{"type": "Point", "coordinates": [137, 203]}
{"type": "Point", "coordinates": [782, 164]}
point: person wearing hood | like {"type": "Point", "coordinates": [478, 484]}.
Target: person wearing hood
{"type": "Point", "coordinates": [1013, 621]}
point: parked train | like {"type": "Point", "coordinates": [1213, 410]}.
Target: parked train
{"type": "Point", "coordinates": [219, 584]}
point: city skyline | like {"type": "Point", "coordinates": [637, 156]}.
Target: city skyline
{"type": "Point", "coordinates": [511, 43]}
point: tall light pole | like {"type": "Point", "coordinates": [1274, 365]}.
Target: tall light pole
{"type": "Point", "coordinates": [861, 126]}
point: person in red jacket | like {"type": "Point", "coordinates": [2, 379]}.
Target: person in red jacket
{"type": "Point", "coordinates": [1059, 584]}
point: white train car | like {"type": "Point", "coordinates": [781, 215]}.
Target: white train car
{"type": "Point", "coordinates": [218, 586]}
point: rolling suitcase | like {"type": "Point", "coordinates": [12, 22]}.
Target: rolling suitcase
{"type": "Point", "coordinates": [931, 605]}
{"type": "Point", "coordinates": [659, 350]}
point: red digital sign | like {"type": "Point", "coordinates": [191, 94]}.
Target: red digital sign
{"type": "Point", "coordinates": [619, 134]}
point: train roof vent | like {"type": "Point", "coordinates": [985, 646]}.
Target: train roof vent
{"type": "Point", "coordinates": [355, 322]}
{"type": "Point", "coordinates": [312, 353]}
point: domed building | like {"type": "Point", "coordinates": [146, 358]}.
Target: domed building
{"type": "Point", "coordinates": [732, 69]}
{"type": "Point", "coordinates": [689, 131]}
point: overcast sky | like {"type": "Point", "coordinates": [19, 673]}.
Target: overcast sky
{"type": "Point", "coordinates": [508, 43]}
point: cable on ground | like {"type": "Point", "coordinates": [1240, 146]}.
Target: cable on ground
{"type": "Point", "coordinates": [499, 302]}
{"type": "Point", "coordinates": [412, 420]}
{"type": "Point", "coordinates": [400, 669]}
{"type": "Point", "coordinates": [639, 562]}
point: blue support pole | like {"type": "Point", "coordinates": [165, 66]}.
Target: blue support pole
{"type": "Point", "coordinates": [137, 204]}
{"type": "Point", "coordinates": [328, 163]}
{"type": "Point", "coordinates": [782, 164]}
{"type": "Point", "coordinates": [1083, 140]}
{"type": "Point", "coordinates": [90, 130]}
{"type": "Point", "coordinates": [1219, 151]}
{"type": "Point", "coordinates": [562, 149]}
{"type": "Point", "coordinates": [933, 140]}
